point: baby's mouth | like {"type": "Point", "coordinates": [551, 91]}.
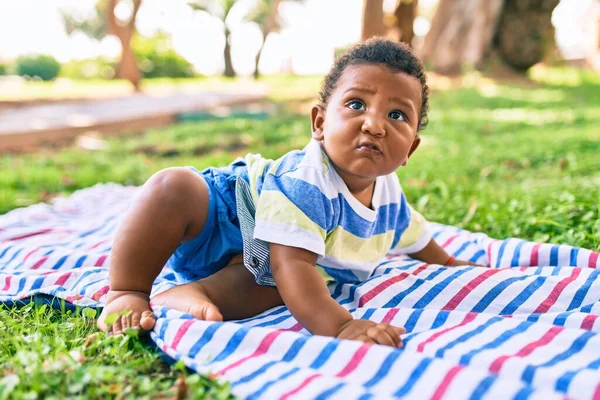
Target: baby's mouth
{"type": "Point", "coordinates": [369, 148]}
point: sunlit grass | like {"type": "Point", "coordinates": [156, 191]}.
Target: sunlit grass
{"type": "Point", "coordinates": [49, 353]}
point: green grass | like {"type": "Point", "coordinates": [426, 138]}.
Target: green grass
{"type": "Point", "coordinates": [505, 160]}
{"type": "Point", "coordinates": [49, 353]}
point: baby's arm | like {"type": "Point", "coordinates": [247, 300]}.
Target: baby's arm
{"type": "Point", "coordinates": [305, 294]}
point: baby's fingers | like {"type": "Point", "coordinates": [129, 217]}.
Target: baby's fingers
{"type": "Point", "coordinates": [382, 336]}
{"type": "Point", "coordinates": [365, 338]}
{"type": "Point", "coordinates": [394, 332]}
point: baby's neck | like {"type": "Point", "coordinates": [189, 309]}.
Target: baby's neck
{"type": "Point", "coordinates": [363, 194]}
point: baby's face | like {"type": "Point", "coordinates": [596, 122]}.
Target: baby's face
{"type": "Point", "coordinates": [369, 125]}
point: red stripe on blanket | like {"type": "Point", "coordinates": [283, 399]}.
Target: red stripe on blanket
{"type": "Point", "coordinates": [30, 253]}
{"type": "Point", "coordinates": [30, 234]}
{"type": "Point", "coordinates": [39, 263]}
{"type": "Point", "coordinates": [489, 254]}
{"type": "Point", "coordinates": [100, 261]}
{"type": "Point", "coordinates": [261, 349]}
{"type": "Point", "coordinates": [63, 278]}
{"type": "Point", "coordinates": [533, 259]}
{"type": "Point", "coordinates": [497, 364]}
{"type": "Point", "coordinates": [450, 375]}
{"type": "Point", "coordinates": [588, 322]}
{"type": "Point", "coordinates": [555, 293]}
{"type": "Point", "coordinates": [96, 296]}
{"type": "Point", "coordinates": [593, 261]}
{"type": "Point", "coordinates": [296, 328]}
{"type": "Point", "coordinates": [98, 244]}
{"type": "Point", "coordinates": [389, 316]}
{"type": "Point", "coordinates": [7, 283]}
{"type": "Point", "coordinates": [468, 318]}
{"type": "Point", "coordinates": [596, 395]}
{"type": "Point", "coordinates": [364, 299]}
{"type": "Point", "coordinates": [180, 332]}
{"type": "Point", "coordinates": [304, 383]}
{"type": "Point", "coordinates": [449, 241]}
{"type": "Point", "coordinates": [459, 297]}
{"type": "Point", "coordinates": [355, 360]}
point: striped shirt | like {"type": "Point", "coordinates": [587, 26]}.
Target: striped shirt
{"type": "Point", "coordinates": [302, 202]}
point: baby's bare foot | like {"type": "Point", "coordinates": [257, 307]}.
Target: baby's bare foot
{"type": "Point", "coordinates": [132, 310]}
{"type": "Point", "coordinates": [191, 298]}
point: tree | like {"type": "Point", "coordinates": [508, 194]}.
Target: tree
{"type": "Point", "coordinates": [372, 21]}
{"type": "Point", "coordinates": [461, 32]}
{"type": "Point", "coordinates": [219, 9]}
{"type": "Point", "coordinates": [405, 13]}
{"type": "Point", "coordinates": [104, 22]}
{"type": "Point", "coordinates": [266, 15]}
{"type": "Point", "coordinates": [525, 33]}
{"type": "Point", "coordinates": [465, 32]}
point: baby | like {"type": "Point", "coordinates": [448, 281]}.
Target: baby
{"type": "Point", "coordinates": [261, 233]}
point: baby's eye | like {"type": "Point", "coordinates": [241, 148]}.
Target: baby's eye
{"type": "Point", "coordinates": [356, 105]}
{"type": "Point", "coordinates": [398, 115]}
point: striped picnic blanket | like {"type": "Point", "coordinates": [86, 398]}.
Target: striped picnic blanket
{"type": "Point", "coordinates": [527, 327]}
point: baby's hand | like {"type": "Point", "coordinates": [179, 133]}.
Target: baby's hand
{"type": "Point", "coordinates": [371, 332]}
{"type": "Point", "coordinates": [132, 309]}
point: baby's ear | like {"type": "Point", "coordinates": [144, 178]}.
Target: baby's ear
{"type": "Point", "coordinates": [317, 119]}
{"type": "Point", "coordinates": [413, 147]}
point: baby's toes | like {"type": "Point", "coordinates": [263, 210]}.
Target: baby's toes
{"type": "Point", "coordinates": [117, 328]}
{"type": "Point", "coordinates": [126, 321]}
{"type": "Point", "coordinates": [147, 320]}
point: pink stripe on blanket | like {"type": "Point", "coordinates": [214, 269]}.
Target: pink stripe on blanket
{"type": "Point", "coordinates": [468, 318]}
{"type": "Point", "coordinates": [459, 297]}
{"type": "Point", "coordinates": [40, 232]}
{"type": "Point", "coordinates": [497, 364]}
{"type": "Point", "coordinates": [558, 289]}
{"type": "Point", "coordinates": [63, 278]}
{"type": "Point", "coordinates": [7, 283]}
{"type": "Point", "coordinates": [355, 360]}
{"type": "Point", "coordinates": [533, 259]}
{"type": "Point", "coordinates": [263, 347]}
{"type": "Point", "coordinates": [593, 261]}
{"type": "Point", "coordinates": [39, 263]}
{"type": "Point", "coordinates": [450, 375]}
{"type": "Point", "coordinates": [371, 294]}
{"type": "Point", "coordinates": [181, 332]}
{"type": "Point", "coordinates": [304, 384]}
{"type": "Point", "coordinates": [449, 241]}
{"type": "Point", "coordinates": [588, 322]}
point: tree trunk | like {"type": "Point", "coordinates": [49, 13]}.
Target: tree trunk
{"type": "Point", "coordinates": [372, 21]}
{"type": "Point", "coordinates": [525, 34]}
{"type": "Point", "coordinates": [461, 33]}
{"type": "Point", "coordinates": [128, 68]}
{"type": "Point", "coordinates": [271, 25]}
{"type": "Point", "coordinates": [229, 71]}
{"type": "Point", "coordinates": [405, 13]}
{"type": "Point", "coordinates": [256, 73]}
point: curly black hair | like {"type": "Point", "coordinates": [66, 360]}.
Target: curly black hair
{"type": "Point", "coordinates": [398, 57]}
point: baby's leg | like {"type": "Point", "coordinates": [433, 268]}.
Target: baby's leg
{"type": "Point", "coordinates": [171, 207]}
{"type": "Point", "coordinates": [228, 294]}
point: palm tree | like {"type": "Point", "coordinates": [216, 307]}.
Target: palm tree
{"type": "Point", "coordinates": [219, 9]}
{"type": "Point", "coordinates": [266, 15]}
{"type": "Point", "coordinates": [104, 22]}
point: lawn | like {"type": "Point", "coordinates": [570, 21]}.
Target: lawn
{"type": "Point", "coordinates": [510, 160]}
